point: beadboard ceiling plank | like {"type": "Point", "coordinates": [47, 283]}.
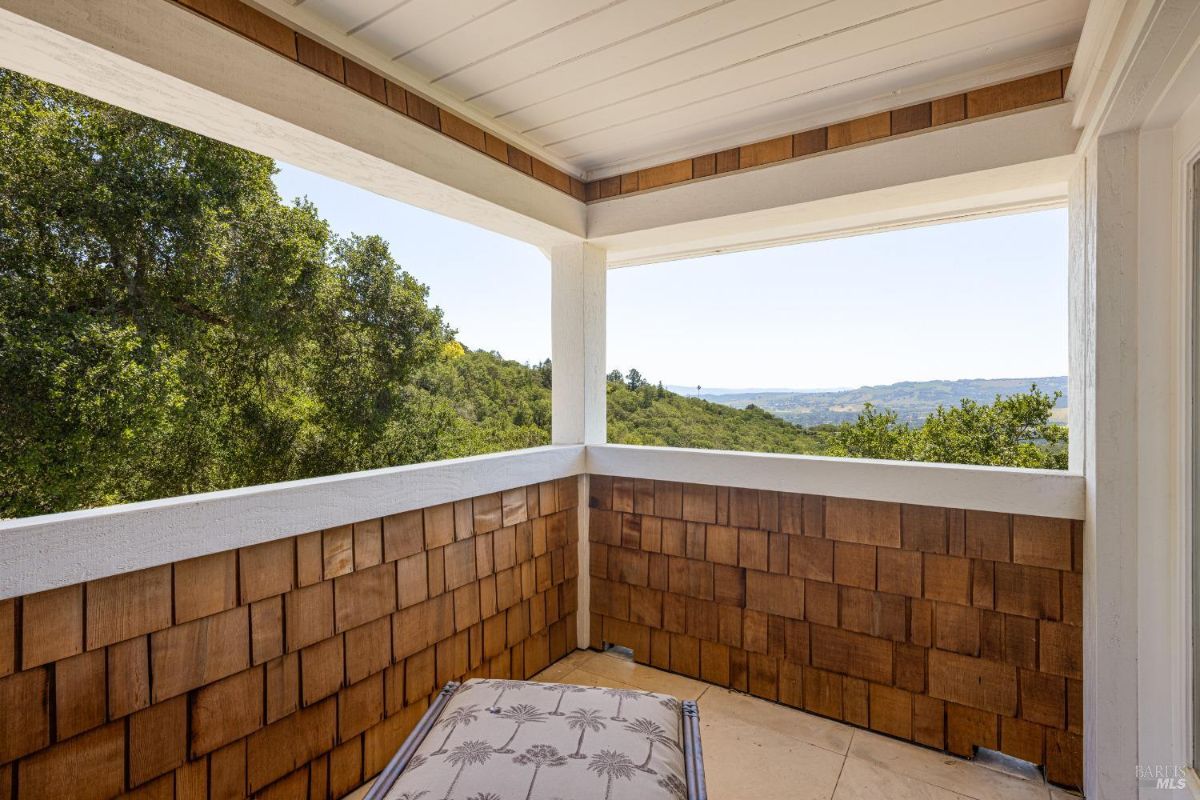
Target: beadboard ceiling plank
{"type": "Point", "coordinates": [823, 63]}
{"type": "Point", "coordinates": [757, 108]}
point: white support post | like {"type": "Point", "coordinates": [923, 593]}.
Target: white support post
{"type": "Point", "coordinates": [577, 299]}
{"type": "Point", "coordinates": [577, 321]}
{"type": "Point", "coordinates": [1110, 461]}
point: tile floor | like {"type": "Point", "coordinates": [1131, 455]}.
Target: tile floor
{"type": "Point", "coordinates": [753, 748]}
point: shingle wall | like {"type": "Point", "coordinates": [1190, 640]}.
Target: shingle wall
{"type": "Point", "coordinates": [949, 628]}
{"type": "Point", "coordinates": [293, 668]}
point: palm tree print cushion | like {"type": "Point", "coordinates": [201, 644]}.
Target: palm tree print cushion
{"type": "Point", "coordinates": [518, 740]}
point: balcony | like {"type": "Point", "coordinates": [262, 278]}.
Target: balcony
{"type": "Point", "coordinates": [891, 626]}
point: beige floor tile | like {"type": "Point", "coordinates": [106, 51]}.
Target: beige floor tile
{"type": "Point", "coordinates": [584, 677]}
{"type": "Point", "coordinates": [743, 761]}
{"type": "Point", "coordinates": [765, 751]}
{"type": "Point", "coordinates": [555, 672]}
{"type": "Point", "coordinates": [777, 719]}
{"type": "Point", "coordinates": [624, 669]}
{"type": "Point", "coordinates": [945, 771]}
{"type": "Point", "coordinates": [862, 780]}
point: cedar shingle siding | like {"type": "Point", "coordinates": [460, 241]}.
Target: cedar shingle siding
{"type": "Point", "coordinates": [951, 629]}
{"type": "Point", "coordinates": [296, 665]}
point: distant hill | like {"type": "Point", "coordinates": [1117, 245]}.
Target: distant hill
{"type": "Point", "coordinates": [652, 416]}
{"type": "Point", "coordinates": [912, 401]}
{"type": "Point", "coordinates": [713, 391]}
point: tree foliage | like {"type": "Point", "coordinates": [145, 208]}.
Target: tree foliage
{"type": "Point", "coordinates": [1013, 431]}
{"type": "Point", "coordinates": [168, 325]}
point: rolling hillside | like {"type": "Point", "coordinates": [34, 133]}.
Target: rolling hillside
{"type": "Point", "coordinates": [913, 401]}
{"type": "Point", "coordinates": [655, 416]}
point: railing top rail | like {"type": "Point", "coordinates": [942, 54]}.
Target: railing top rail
{"type": "Point", "coordinates": [1039, 492]}
{"type": "Point", "coordinates": [45, 552]}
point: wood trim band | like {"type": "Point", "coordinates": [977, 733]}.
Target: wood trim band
{"type": "Point", "coordinates": [986, 101]}
{"type": "Point", "coordinates": [295, 46]}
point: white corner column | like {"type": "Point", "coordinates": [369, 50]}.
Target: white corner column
{"type": "Point", "coordinates": [578, 296]}
{"type": "Point", "coordinates": [1110, 462]}
{"type": "Point", "coordinates": [577, 309]}
{"type": "Point", "coordinates": [1132, 234]}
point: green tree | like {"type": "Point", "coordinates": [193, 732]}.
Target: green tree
{"type": "Point", "coordinates": [168, 325]}
{"type": "Point", "coordinates": [546, 373]}
{"type": "Point", "coordinates": [875, 434]}
{"type": "Point", "coordinates": [635, 380]}
{"type": "Point", "coordinates": [1013, 431]}
{"type": "Point", "coordinates": [650, 416]}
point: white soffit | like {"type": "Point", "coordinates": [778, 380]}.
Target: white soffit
{"type": "Point", "coordinates": [1008, 163]}
{"type": "Point", "coordinates": [606, 85]}
{"type": "Point", "coordinates": [158, 59]}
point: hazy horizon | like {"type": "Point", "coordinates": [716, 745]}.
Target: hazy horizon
{"type": "Point", "coordinates": [848, 388]}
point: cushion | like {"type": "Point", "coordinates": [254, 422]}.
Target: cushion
{"type": "Point", "coordinates": [519, 740]}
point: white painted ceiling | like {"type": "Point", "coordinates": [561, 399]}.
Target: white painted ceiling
{"type": "Point", "coordinates": [608, 85]}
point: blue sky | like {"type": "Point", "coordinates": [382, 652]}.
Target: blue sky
{"type": "Point", "coordinates": [979, 299]}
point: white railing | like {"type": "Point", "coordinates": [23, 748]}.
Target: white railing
{"type": "Point", "coordinates": [38, 553]}
{"type": "Point", "coordinates": [44, 552]}
{"type": "Point", "coordinates": [1041, 492]}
